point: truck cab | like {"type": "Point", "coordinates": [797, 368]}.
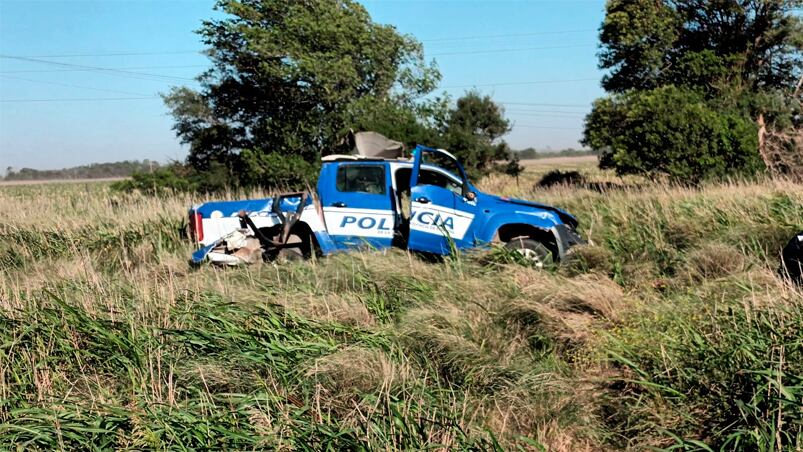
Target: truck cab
{"type": "Point", "coordinates": [425, 204]}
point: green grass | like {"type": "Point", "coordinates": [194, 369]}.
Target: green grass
{"type": "Point", "coordinates": [671, 331]}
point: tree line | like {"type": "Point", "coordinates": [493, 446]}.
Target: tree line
{"type": "Point", "coordinates": [532, 153]}
{"type": "Point", "coordinates": [92, 171]}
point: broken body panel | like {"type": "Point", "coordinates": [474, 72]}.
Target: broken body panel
{"type": "Point", "coordinates": [378, 203]}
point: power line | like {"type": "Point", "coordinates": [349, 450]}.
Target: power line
{"type": "Point", "coordinates": [534, 82]}
{"type": "Point", "coordinates": [514, 35]}
{"type": "Point", "coordinates": [523, 49]}
{"type": "Point", "coordinates": [114, 68]}
{"type": "Point", "coordinates": [75, 55]}
{"type": "Point", "coordinates": [529, 110]}
{"type": "Point", "coordinates": [78, 99]}
{"type": "Point", "coordinates": [120, 72]}
{"type": "Point", "coordinates": [534, 104]}
{"type": "Point", "coordinates": [546, 127]}
{"type": "Point", "coordinates": [70, 86]}
{"type": "Point", "coordinates": [179, 52]}
{"type": "Point", "coordinates": [561, 114]}
{"type": "Point", "coordinates": [536, 110]}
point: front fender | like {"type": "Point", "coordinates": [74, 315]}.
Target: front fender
{"type": "Point", "coordinates": [545, 221]}
{"type": "Point", "coordinates": [541, 219]}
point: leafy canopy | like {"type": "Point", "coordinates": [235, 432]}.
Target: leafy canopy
{"type": "Point", "coordinates": [473, 131]}
{"type": "Point", "coordinates": [720, 63]}
{"type": "Point", "coordinates": [287, 79]}
{"type": "Point", "coordinates": [671, 131]}
{"type": "Point", "coordinates": [701, 43]}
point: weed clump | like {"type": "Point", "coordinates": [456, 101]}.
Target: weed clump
{"type": "Point", "coordinates": [714, 260]}
{"type": "Point", "coordinates": [587, 259]}
{"type": "Point", "coordinates": [563, 309]}
{"type": "Point", "coordinates": [354, 372]}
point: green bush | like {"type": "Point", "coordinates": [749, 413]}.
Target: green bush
{"type": "Point", "coordinates": [671, 131]}
{"type": "Point", "coordinates": [178, 178]}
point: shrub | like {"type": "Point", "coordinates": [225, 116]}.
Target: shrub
{"type": "Point", "coordinates": [558, 177]}
{"type": "Point", "coordinates": [178, 178]}
{"type": "Point", "coordinates": [671, 131]}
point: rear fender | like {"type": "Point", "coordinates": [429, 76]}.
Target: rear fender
{"type": "Point", "coordinates": [313, 219]}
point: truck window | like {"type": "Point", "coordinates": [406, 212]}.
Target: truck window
{"type": "Point", "coordinates": [426, 177]}
{"type": "Point", "coordinates": [361, 179]}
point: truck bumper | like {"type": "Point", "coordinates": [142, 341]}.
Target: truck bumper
{"type": "Point", "coordinates": [566, 238]}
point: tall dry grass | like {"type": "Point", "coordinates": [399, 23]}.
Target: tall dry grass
{"type": "Point", "coordinates": [672, 329]}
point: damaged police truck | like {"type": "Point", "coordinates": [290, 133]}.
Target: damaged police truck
{"type": "Point", "coordinates": [425, 204]}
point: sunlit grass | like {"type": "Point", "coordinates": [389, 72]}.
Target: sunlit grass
{"type": "Point", "coordinates": [671, 329]}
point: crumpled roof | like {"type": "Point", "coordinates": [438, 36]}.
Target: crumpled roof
{"type": "Point", "coordinates": [373, 144]}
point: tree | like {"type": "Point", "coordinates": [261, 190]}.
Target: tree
{"type": "Point", "coordinates": [701, 43]}
{"type": "Point", "coordinates": [636, 37]}
{"type": "Point", "coordinates": [738, 60]}
{"type": "Point", "coordinates": [671, 131]}
{"type": "Point", "coordinates": [473, 131]}
{"type": "Point", "coordinates": [287, 82]}
{"type": "Point", "coordinates": [513, 167]}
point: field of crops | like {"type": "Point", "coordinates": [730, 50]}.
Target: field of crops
{"type": "Point", "coordinates": [671, 330]}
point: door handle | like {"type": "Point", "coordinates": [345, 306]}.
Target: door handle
{"type": "Point", "coordinates": [338, 204]}
{"type": "Point", "coordinates": [422, 200]}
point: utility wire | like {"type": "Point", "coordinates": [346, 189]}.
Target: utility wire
{"type": "Point", "coordinates": [70, 86]}
{"type": "Point", "coordinates": [533, 82]}
{"type": "Point", "coordinates": [546, 127]}
{"type": "Point", "coordinates": [542, 110]}
{"type": "Point", "coordinates": [534, 104]}
{"type": "Point", "coordinates": [114, 68]}
{"type": "Point", "coordinates": [548, 115]}
{"type": "Point", "coordinates": [169, 52]}
{"type": "Point", "coordinates": [179, 52]}
{"type": "Point", "coordinates": [523, 49]}
{"type": "Point", "coordinates": [513, 35]}
{"type": "Point", "coordinates": [138, 75]}
{"type": "Point", "coordinates": [77, 99]}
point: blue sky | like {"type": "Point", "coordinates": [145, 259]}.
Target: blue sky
{"type": "Point", "coordinates": [536, 57]}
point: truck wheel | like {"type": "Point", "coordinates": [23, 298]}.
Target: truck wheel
{"type": "Point", "coordinates": [533, 251]}
{"type": "Point", "coordinates": [300, 252]}
{"type": "Point", "coordinates": [793, 258]}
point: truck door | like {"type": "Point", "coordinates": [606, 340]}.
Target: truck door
{"type": "Point", "coordinates": [357, 206]}
{"type": "Point", "coordinates": [439, 216]}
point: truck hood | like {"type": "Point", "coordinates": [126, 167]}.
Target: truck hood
{"type": "Point", "coordinates": [564, 216]}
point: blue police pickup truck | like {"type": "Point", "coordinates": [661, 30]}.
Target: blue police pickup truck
{"type": "Point", "coordinates": [425, 204]}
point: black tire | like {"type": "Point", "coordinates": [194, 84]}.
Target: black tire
{"type": "Point", "coordinates": [300, 252]}
{"type": "Point", "coordinates": [793, 259]}
{"type": "Point", "coordinates": [532, 250]}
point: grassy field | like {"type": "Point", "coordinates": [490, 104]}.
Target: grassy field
{"type": "Point", "coordinates": [671, 330]}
